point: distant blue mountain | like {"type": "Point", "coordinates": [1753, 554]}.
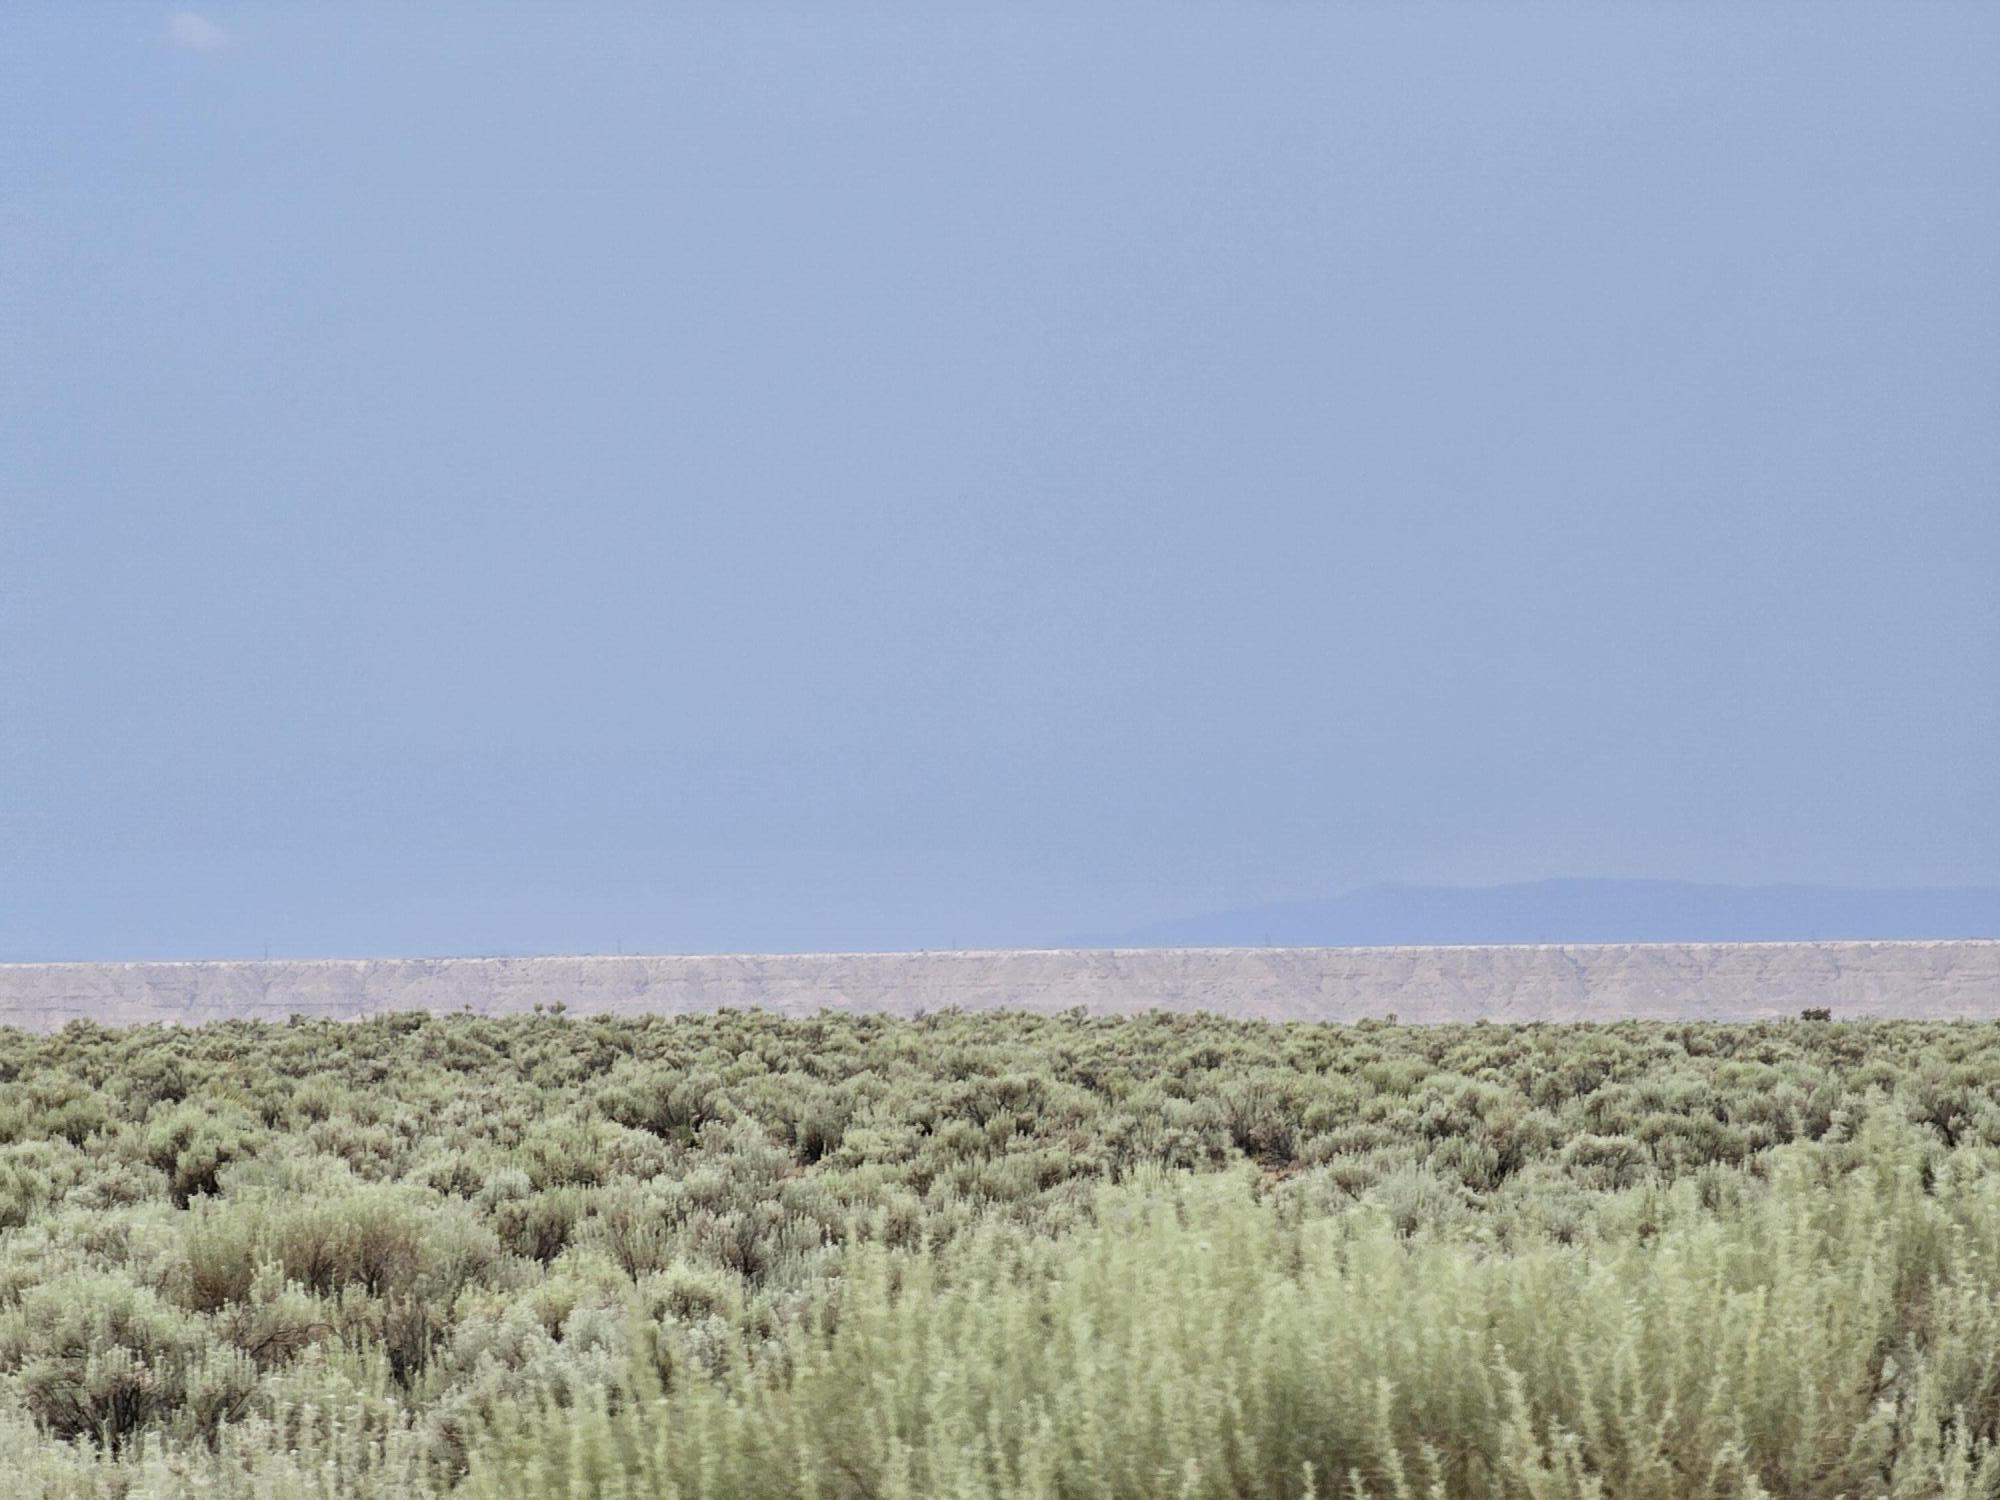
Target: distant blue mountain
{"type": "Point", "coordinates": [1584, 911]}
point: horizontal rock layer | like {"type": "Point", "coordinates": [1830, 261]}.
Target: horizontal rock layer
{"type": "Point", "coordinates": [1654, 981]}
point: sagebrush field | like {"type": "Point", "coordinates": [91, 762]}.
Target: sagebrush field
{"type": "Point", "coordinates": [740, 1256]}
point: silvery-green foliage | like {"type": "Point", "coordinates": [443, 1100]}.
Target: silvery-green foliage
{"type": "Point", "coordinates": [999, 1255]}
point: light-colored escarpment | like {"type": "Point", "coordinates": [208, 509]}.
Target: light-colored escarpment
{"type": "Point", "coordinates": [1653, 981]}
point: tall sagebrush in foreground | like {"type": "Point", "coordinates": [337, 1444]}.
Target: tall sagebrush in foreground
{"type": "Point", "coordinates": [1838, 1337]}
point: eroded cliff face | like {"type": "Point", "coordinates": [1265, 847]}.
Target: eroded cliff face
{"type": "Point", "coordinates": [1666, 981]}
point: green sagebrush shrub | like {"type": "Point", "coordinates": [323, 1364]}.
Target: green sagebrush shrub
{"type": "Point", "coordinates": [95, 1356]}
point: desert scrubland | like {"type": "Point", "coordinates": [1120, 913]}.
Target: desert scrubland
{"type": "Point", "coordinates": [747, 1255]}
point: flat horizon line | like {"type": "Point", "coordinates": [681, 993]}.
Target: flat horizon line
{"type": "Point", "coordinates": [1027, 952]}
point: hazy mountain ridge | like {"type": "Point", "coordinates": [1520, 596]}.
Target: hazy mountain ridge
{"type": "Point", "coordinates": [1584, 911]}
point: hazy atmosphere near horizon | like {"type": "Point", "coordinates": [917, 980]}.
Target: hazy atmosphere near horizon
{"type": "Point", "coordinates": [548, 478]}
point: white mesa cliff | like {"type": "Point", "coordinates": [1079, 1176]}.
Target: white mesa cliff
{"type": "Point", "coordinates": [1609, 982]}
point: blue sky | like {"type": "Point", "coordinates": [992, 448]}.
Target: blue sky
{"type": "Point", "coordinates": [561, 477]}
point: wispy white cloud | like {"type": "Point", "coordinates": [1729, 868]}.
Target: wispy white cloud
{"type": "Point", "coordinates": [195, 33]}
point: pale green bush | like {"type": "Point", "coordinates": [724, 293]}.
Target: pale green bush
{"type": "Point", "coordinates": [96, 1356]}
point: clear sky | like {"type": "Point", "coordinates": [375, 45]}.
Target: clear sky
{"type": "Point", "coordinates": [514, 477]}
